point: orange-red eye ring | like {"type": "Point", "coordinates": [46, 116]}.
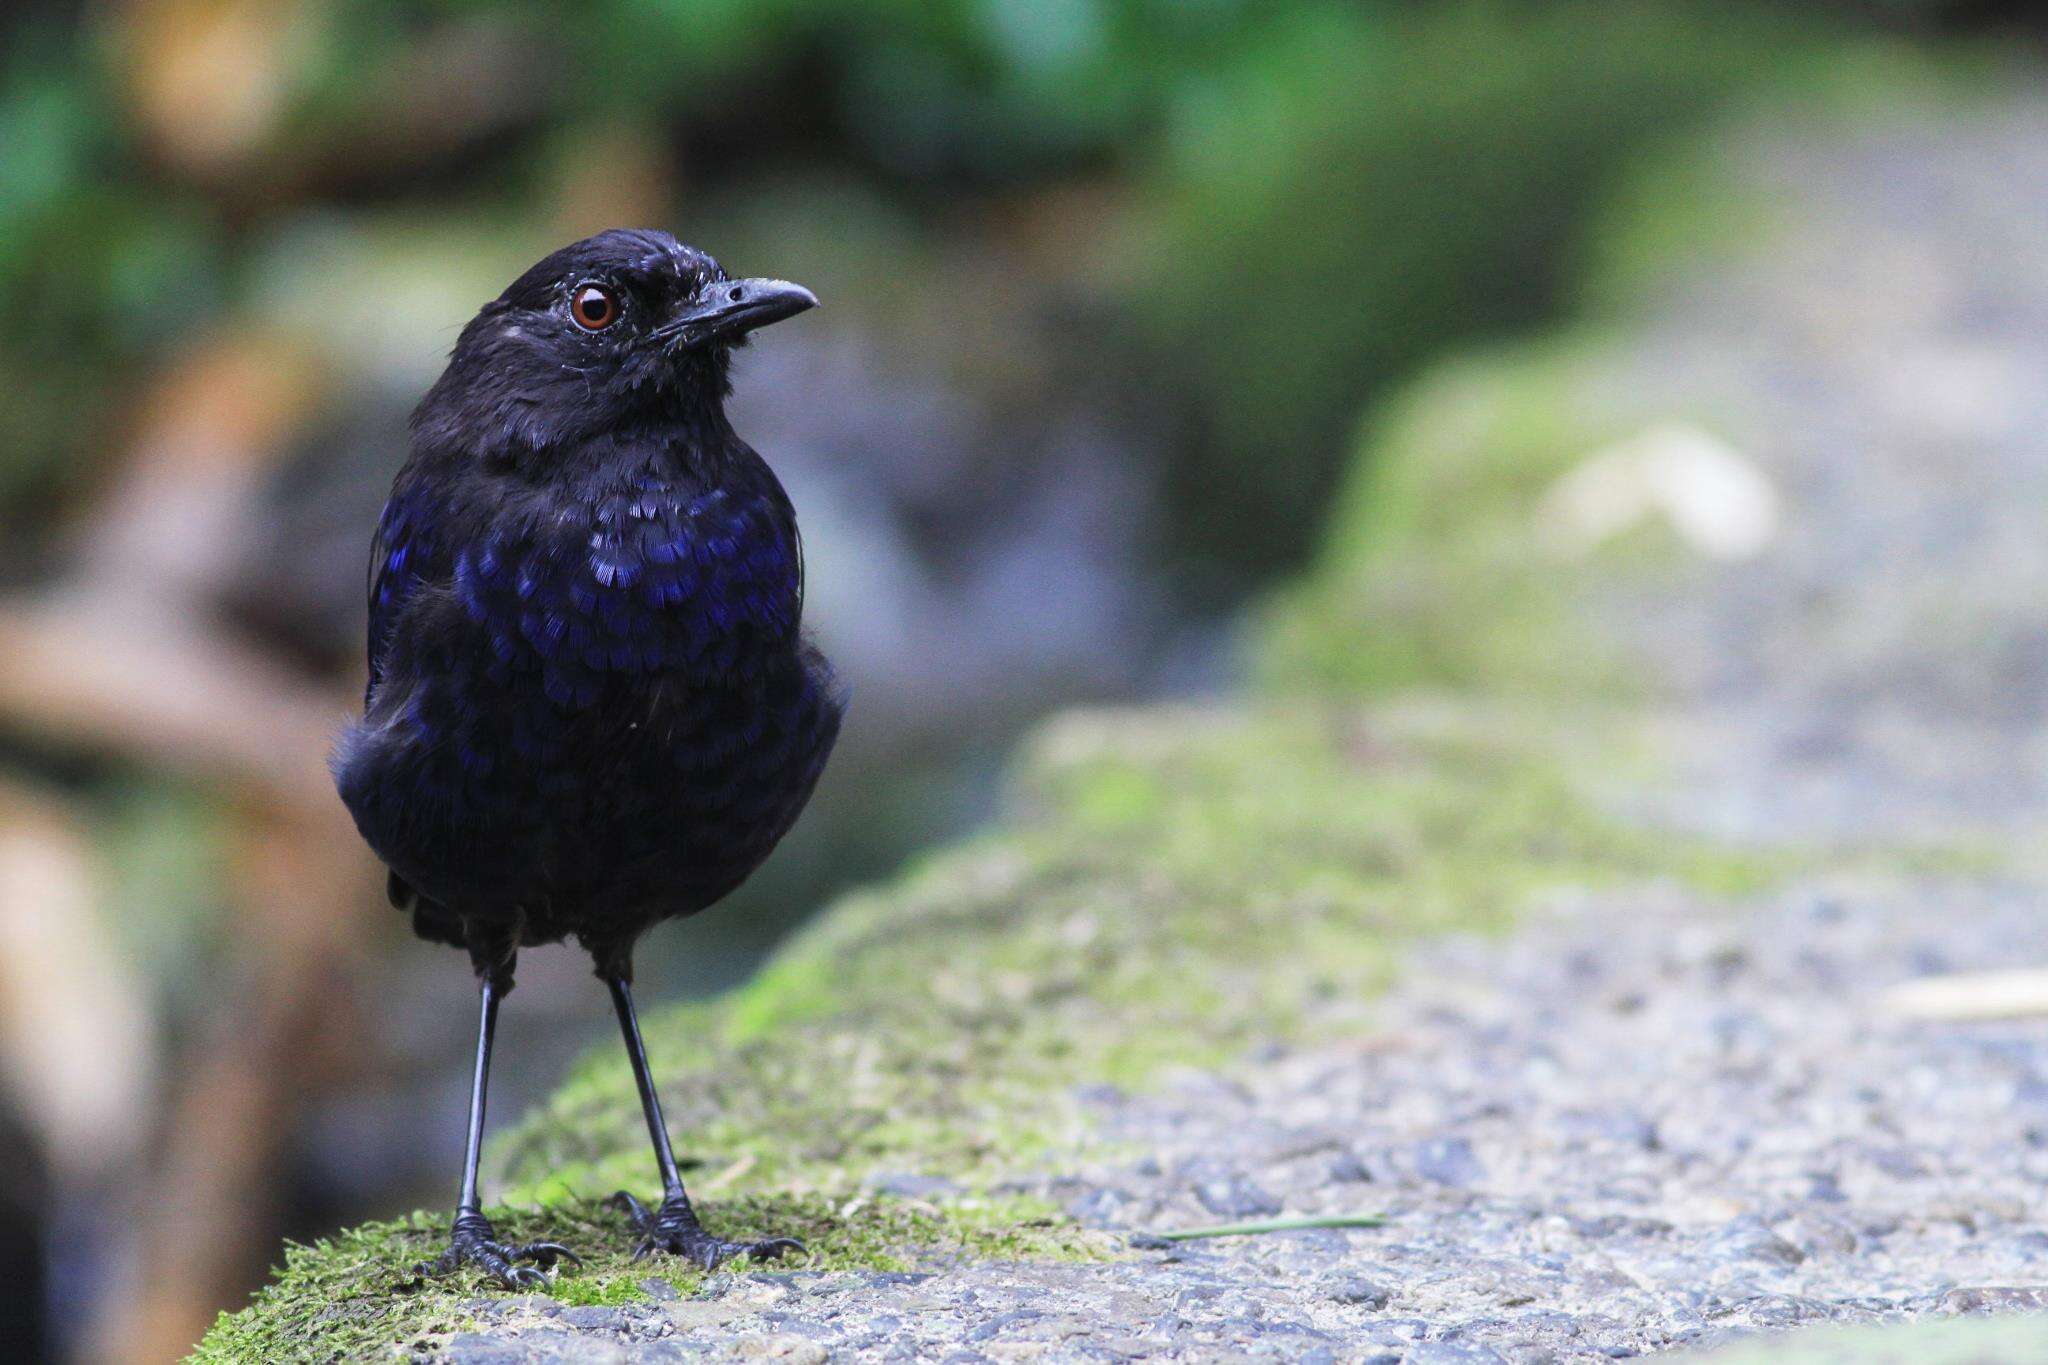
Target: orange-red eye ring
{"type": "Point", "coordinates": [593, 307]}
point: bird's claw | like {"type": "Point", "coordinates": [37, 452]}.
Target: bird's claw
{"type": "Point", "coordinates": [473, 1241]}
{"type": "Point", "coordinates": [544, 1254]}
{"type": "Point", "coordinates": [709, 1252]}
{"type": "Point", "coordinates": [674, 1230]}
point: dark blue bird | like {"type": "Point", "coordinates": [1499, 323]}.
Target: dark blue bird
{"type": "Point", "coordinates": [591, 704]}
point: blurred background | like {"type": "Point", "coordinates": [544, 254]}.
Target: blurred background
{"type": "Point", "coordinates": [1107, 285]}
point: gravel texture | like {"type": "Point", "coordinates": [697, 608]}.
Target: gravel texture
{"type": "Point", "coordinates": [1645, 1121]}
{"type": "Point", "coordinates": [1628, 1128]}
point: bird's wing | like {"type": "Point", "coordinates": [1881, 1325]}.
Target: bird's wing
{"type": "Point", "coordinates": [405, 553]}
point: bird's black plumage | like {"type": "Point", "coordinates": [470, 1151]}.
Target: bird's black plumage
{"type": "Point", "coordinates": [591, 705]}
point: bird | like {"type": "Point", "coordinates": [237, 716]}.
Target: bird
{"type": "Point", "coordinates": [592, 705]}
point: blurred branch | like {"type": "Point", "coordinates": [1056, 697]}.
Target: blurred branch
{"type": "Point", "coordinates": [129, 659]}
{"type": "Point", "coordinates": [209, 708]}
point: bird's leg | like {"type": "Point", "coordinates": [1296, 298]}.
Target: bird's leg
{"type": "Point", "coordinates": [673, 1227]}
{"type": "Point", "coordinates": [473, 1240]}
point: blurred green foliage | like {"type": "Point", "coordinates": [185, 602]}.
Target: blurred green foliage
{"type": "Point", "coordinates": [1302, 198]}
{"type": "Point", "coordinates": [1361, 188]}
{"type": "Point", "coordinates": [94, 268]}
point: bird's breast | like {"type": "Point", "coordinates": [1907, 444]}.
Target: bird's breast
{"type": "Point", "coordinates": [646, 581]}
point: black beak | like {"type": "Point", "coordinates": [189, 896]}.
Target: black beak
{"type": "Point", "coordinates": [732, 308]}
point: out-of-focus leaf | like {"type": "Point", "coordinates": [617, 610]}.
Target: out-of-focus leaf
{"type": "Point", "coordinates": [209, 80]}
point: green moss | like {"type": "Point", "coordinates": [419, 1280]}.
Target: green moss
{"type": "Point", "coordinates": [355, 1295]}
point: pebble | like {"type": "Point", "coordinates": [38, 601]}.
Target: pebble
{"type": "Point", "coordinates": [1237, 1199]}
{"type": "Point", "coordinates": [1362, 1292]}
{"type": "Point", "coordinates": [1447, 1161]}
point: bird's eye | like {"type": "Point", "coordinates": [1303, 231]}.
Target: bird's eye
{"type": "Point", "coordinates": [593, 307]}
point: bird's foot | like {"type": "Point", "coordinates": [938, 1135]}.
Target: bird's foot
{"type": "Point", "coordinates": [673, 1228]}
{"type": "Point", "coordinates": [473, 1241]}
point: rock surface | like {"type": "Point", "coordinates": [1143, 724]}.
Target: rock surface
{"type": "Point", "coordinates": [1624, 1129]}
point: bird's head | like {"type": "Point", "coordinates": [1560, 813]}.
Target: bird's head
{"type": "Point", "coordinates": [627, 325]}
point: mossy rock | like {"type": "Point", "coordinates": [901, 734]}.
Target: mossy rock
{"type": "Point", "coordinates": [356, 1295]}
{"type": "Point", "coordinates": [1433, 574]}
{"type": "Point", "coordinates": [1177, 885]}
